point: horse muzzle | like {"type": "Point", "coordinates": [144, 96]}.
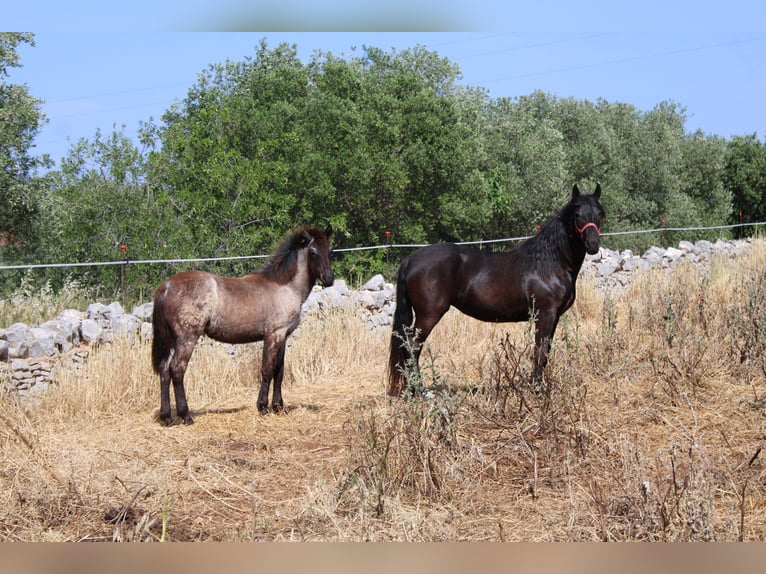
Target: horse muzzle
{"type": "Point", "coordinates": [590, 234]}
{"type": "Point", "coordinates": [327, 279]}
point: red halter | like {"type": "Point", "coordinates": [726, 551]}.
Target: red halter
{"type": "Point", "coordinates": [581, 230]}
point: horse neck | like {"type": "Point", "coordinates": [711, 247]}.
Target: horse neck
{"type": "Point", "coordinates": [291, 270]}
{"type": "Point", "coordinates": [303, 280]}
{"type": "Point", "coordinates": [558, 241]}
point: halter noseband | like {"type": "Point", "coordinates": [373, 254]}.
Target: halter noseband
{"type": "Point", "coordinates": [581, 230]}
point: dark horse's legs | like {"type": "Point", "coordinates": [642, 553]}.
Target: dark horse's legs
{"type": "Point", "coordinates": [279, 372]}
{"type": "Point", "coordinates": [425, 321]}
{"type": "Point", "coordinates": [414, 300]}
{"type": "Point", "coordinates": [165, 416]}
{"type": "Point", "coordinates": [545, 327]}
{"type": "Point", "coordinates": [182, 407]}
{"type": "Point", "coordinates": [174, 368]}
{"type": "Point", "coordinates": [273, 367]}
{"type": "Point", "coordinates": [422, 329]}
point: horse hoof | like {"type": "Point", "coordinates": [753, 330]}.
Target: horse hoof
{"type": "Point", "coordinates": [263, 410]}
{"type": "Point", "coordinates": [188, 420]}
{"type": "Point", "coordinates": [279, 409]}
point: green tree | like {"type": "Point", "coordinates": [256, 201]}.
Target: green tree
{"type": "Point", "coordinates": [370, 143]}
{"type": "Point", "coordinates": [702, 180]}
{"type": "Point", "coordinates": [100, 201]}
{"type": "Point", "coordinates": [20, 121]}
{"type": "Point", "coordinates": [374, 142]}
{"type": "Point", "coordinates": [528, 163]}
{"type": "Point", "coordinates": [227, 153]}
{"type": "Point", "coordinates": [392, 144]}
{"type": "Point", "coordinates": [745, 176]}
{"type": "Point", "coordinates": [646, 164]}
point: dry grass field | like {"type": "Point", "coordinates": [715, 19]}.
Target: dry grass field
{"type": "Point", "coordinates": [650, 427]}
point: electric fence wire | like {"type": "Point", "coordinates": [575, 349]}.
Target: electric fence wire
{"type": "Point", "coordinates": [351, 249]}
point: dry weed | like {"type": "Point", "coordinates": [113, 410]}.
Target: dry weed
{"type": "Point", "coordinates": [651, 429]}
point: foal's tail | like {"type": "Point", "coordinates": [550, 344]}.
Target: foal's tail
{"type": "Point", "coordinates": [400, 346]}
{"type": "Point", "coordinates": [162, 335]}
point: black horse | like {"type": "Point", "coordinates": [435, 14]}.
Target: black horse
{"type": "Point", "coordinates": [538, 276]}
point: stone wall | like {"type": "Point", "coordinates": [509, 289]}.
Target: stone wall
{"type": "Point", "coordinates": [31, 355]}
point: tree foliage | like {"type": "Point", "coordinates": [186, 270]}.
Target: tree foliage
{"type": "Point", "coordinates": [745, 176]}
{"type": "Point", "coordinates": [374, 142]}
{"type": "Point", "coordinates": [20, 121]}
{"type": "Point", "coordinates": [103, 210]}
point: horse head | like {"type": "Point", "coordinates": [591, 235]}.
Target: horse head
{"type": "Point", "coordinates": [587, 217]}
{"type": "Point", "coordinates": [317, 241]}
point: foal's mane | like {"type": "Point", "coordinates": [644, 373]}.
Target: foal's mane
{"type": "Point", "coordinates": [283, 263]}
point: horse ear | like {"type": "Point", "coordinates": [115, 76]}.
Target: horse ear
{"type": "Point", "coordinates": [597, 193]}
{"type": "Point", "coordinates": [306, 239]}
{"type": "Point", "coordinates": [575, 191]}
{"type": "Point", "coordinates": [328, 231]}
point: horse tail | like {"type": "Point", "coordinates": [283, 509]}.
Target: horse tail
{"type": "Point", "coordinates": [400, 349]}
{"type": "Point", "coordinates": [163, 338]}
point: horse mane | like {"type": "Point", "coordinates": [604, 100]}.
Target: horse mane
{"type": "Point", "coordinates": [554, 237]}
{"type": "Point", "coordinates": [283, 262]}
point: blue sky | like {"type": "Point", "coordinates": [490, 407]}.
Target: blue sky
{"type": "Point", "coordinates": [98, 66]}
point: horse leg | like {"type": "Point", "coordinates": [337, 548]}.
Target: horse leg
{"type": "Point", "coordinates": [424, 324]}
{"type": "Point", "coordinates": [178, 364]}
{"type": "Point", "coordinates": [545, 327]}
{"type": "Point", "coordinates": [165, 416]}
{"type": "Point", "coordinates": [273, 355]}
{"type": "Point", "coordinates": [277, 404]}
